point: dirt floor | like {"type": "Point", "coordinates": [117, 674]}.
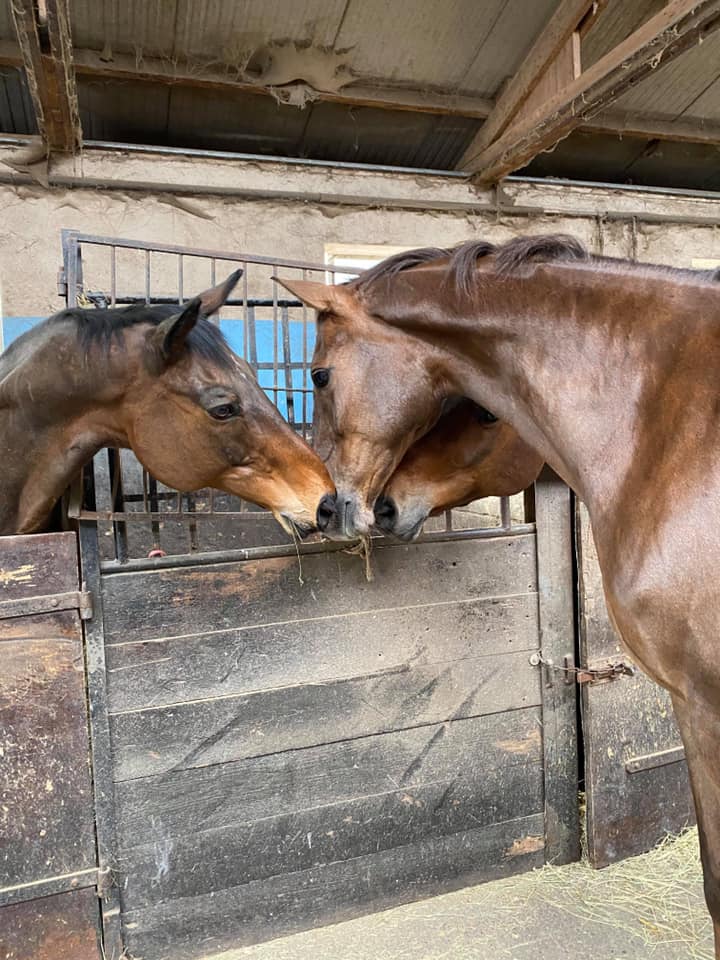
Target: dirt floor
{"type": "Point", "coordinates": [647, 907]}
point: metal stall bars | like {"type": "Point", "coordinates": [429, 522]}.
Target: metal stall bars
{"type": "Point", "coordinates": [139, 518]}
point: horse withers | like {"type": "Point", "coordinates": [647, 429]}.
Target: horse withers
{"type": "Point", "coordinates": [610, 370]}
{"type": "Point", "coordinates": [162, 381]}
{"type": "Point", "coordinates": [469, 454]}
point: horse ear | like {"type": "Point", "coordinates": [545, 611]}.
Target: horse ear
{"type": "Point", "coordinates": [211, 300]}
{"type": "Point", "coordinates": [319, 296]}
{"type": "Point", "coordinates": [171, 334]}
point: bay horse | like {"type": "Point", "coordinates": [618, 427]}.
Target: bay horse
{"type": "Point", "coordinates": [162, 381]}
{"type": "Point", "coordinates": [467, 455]}
{"type": "Point", "coordinates": [610, 370]}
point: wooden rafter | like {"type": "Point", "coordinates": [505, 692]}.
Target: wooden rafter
{"type": "Point", "coordinates": [549, 46]}
{"type": "Point", "coordinates": [43, 32]}
{"type": "Point", "coordinates": [666, 35]}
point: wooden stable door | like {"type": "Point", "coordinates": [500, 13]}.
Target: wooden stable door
{"type": "Point", "coordinates": [636, 778]}
{"type": "Point", "coordinates": [48, 873]}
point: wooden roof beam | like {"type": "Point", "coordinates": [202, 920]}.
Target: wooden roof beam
{"type": "Point", "coordinates": [658, 41]}
{"type": "Point", "coordinates": [43, 32]}
{"type": "Point", "coordinates": [557, 41]}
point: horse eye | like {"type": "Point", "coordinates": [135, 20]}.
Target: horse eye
{"type": "Point", "coordinates": [320, 377]}
{"type": "Point", "coordinates": [225, 411]}
{"type": "Point", "coordinates": [484, 416]}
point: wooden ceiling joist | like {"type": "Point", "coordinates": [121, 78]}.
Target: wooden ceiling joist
{"type": "Point", "coordinates": [43, 33]}
{"type": "Point", "coordinates": [669, 33]}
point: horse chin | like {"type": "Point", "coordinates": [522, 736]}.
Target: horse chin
{"type": "Point", "coordinates": [298, 529]}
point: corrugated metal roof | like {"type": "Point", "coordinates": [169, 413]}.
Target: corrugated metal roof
{"type": "Point", "coordinates": [7, 26]}
{"type": "Point", "coordinates": [16, 110]}
{"type": "Point", "coordinates": [124, 26]}
{"type": "Point", "coordinates": [618, 20]}
{"type": "Point", "coordinates": [676, 87]}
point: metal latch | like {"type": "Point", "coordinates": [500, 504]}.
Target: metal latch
{"type": "Point", "coordinates": [79, 600]}
{"type": "Point", "coordinates": [612, 670]}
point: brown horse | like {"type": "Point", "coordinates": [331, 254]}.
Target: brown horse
{"type": "Point", "coordinates": [611, 371]}
{"type": "Point", "coordinates": [468, 454]}
{"type": "Point", "coordinates": [160, 380]}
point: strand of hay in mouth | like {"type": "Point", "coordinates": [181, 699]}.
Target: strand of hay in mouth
{"type": "Point", "coordinates": [656, 897]}
{"type": "Point", "coordinates": [364, 549]}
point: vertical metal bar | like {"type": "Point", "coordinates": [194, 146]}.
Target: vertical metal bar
{"type": "Point", "coordinates": [276, 340]}
{"type": "Point", "coordinates": [102, 483]}
{"type": "Point", "coordinates": [147, 276]}
{"type": "Point", "coordinates": [252, 338]}
{"type": "Point", "coordinates": [194, 545]}
{"type": "Point", "coordinates": [213, 269]}
{"type": "Point", "coordinates": [305, 378]}
{"type": "Point", "coordinates": [118, 505]}
{"type": "Point", "coordinates": [505, 519]}
{"type": "Point", "coordinates": [100, 746]}
{"type": "Point", "coordinates": [448, 520]}
{"type": "Point", "coordinates": [246, 318]}
{"type": "Point", "coordinates": [154, 524]}
{"type": "Point", "coordinates": [113, 276]}
{"type": "Point", "coordinates": [181, 297]}
{"type": "Point", "coordinates": [287, 360]}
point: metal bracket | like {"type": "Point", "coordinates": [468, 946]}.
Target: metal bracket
{"type": "Point", "coordinates": [79, 600]}
{"type": "Point", "coordinates": [105, 881]}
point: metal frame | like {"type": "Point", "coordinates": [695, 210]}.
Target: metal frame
{"type": "Point", "coordinates": [116, 506]}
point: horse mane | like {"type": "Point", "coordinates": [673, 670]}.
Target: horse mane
{"type": "Point", "coordinates": [103, 327]}
{"type": "Point", "coordinates": [462, 259]}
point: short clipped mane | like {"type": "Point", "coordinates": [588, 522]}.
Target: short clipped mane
{"type": "Point", "coordinates": [101, 327]}
{"type": "Point", "coordinates": [462, 259]}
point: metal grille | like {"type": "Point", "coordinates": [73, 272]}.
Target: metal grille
{"type": "Point", "coordinates": [139, 517]}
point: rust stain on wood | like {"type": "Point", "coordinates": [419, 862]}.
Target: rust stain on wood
{"type": "Point", "coordinates": [525, 845]}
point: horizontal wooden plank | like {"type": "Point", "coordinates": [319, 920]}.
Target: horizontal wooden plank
{"type": "Point", "coordinates": [209, 861]}
{"type": "Point", "coordinates": [151, 742]}
{"type": "Point", "coordinates": [61, 927]}
{"type": "Point", "coordinates": [46, 809]}
{"type": "Point", "coordinates": [185, 928]}
{"type": "Point", "coordinates": [192, 600]}
{"type": "Point", "coordinates": [36, 565]}
{"type": "Point", "coordinates": [338, 647]}
{"type": "Point", "coordinates": [156, 809]}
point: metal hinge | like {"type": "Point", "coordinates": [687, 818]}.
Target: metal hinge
{"type": "Point", "coordinates": [80, 600]}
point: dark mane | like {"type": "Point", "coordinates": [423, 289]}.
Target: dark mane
{"type": "Point", "coordinates": [462, 259]}
{"type": "Point", "coordinates": [101, 327]}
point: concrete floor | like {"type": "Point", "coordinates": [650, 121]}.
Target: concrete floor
{"type": "Point", "coordinates": [648, 907]}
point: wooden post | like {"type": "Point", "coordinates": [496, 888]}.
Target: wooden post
{"type": "Point", "coordinates": [553, 519]}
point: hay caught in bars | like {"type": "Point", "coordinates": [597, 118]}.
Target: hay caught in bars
{"type": "Point", "coordinates": [653, 897]}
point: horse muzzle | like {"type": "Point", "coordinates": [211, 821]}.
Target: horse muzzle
{"type": "Point", "coordinates": [401, 522]}
{"type": "Point", "coordinates": [344, 517]}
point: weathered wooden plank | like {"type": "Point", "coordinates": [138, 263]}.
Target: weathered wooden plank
{"type": "Point", "coordinates": [553, 518]}
{"type": "Point", "coordinates": [186, 928]}
{"type": "Point", "coordinates": [248, 659]}
{"type": "Point", "coordinates": [174, 804]}
{"type": "Point", "coordinates": [190, 600]}
{"type": "Point", "coordinates": [46, 811]}
{"type": "Point", "coordinates": [628, 811]}
{"type": "Point", "coordinates": [37, 565]}
{"type": "Point", "coordinates": [150, 742]}
{"type": "Point", "coordinates": [210, 861]}
{"type": "Point", "coordinates": [61, 927]}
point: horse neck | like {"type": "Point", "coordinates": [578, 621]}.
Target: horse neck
{"type": "Point", "coordinates": [574, 359]}
{"type": "Point", "coordinates": [52, 422]}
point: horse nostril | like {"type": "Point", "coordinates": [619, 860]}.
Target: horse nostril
{"type": "Point", "coordinates": [385, 512]}
{"type": "Point", "coordinates": [325, 511]}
